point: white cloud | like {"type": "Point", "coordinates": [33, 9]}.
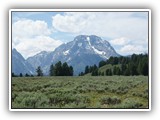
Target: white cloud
{"type": "Point", "coordinates": [32, 46]}
{"type": "Point", "coordinates": [130, 49]}
{"type": "Point", "coordinates": [71, 22]}
{"type": "Point", "coordinates": [120, 41]}
{"type": "Point", "coordinates": [29, 28]}
{"type": "Point", "coordinates": [30, 37]}
{"type": "Point", "coordinates": [106, 24]}
{"type": "Point", "coordinates": [122, 27]}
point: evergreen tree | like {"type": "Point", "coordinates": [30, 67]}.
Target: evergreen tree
{"type": "Point", "coordinates": [81, 74]}
{"type": "Point", "coordinates": [132, 65]}
{"type": "Point", "coordinates": [145, 67]}
{"type": "Point", "coordinates": [13, 75]}
{"type": "Point", "coordinates": [133, 69]}
{"type": "Point", "coordinates": [86, 69]}
{"type": "Point", "coordinates": [21, 75]}
{"type": "Point", "coordinates": [139, 68]}
{"type": "Point", "coordinates": [107, 72]}
{"type": "Point", "coordinates": [94, 72]}
{"type": "Point", "coordinates": [65, 69]}
{"type": "Point", "coordinates": [62, 69]}
{"type": "Point", "coordinates": [102, 74]}
{"type": "Point", "coordinates": [58, 69]}
{"type": "Point", "coordinates": [39, 71]}
{"type": "Point", "coordinates": [99, 73]}
{"type": "Point", "coordinates": [118, 71]}
{"type": "Point", "coordinates": [114, 70]}
{"type": "Point", "coordinates": [95, 67]}
{"type": "Point", "coordinates": [51, 71]}
{"type": "Point", "coordinates": [123, 68]}
{"type": "Point", "coordinates": [102, 63]}
{"type": "Point", "coordinates": [110, 72]}
{"type": "Point", "coordinates": [71, 71]}
{"type": "Point", "coordinates": [26, 75]}
{"type": "Point", "coordinates": [127, 72]}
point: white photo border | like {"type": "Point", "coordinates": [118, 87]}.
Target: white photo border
{"type": "Point", "coordinates": [78, 10]}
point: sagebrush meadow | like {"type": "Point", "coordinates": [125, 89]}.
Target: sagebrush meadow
{"type": "Point", "coordinates": [80, 92]}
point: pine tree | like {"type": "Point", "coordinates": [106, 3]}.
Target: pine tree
{"type": "Point", "coordinates": [110, 72]}
{"type": "Point", "coordinates": [65, 69]}
{"type": "Point", "coordinates": [133, 69]}
{"type": "Point", "coordinates": [71, 71]}
{"type": "Point", "coordinates": [39, 71]}
{"type": "Point", "coordinates": [13, 75]}
{"type": "Point", "coordinates": [127, 72]}
{"type": "Point", "coordinates": [107, 72]}
{"type": "Point", "coordinates": [94, 72]}
{"type": "Point", "coordinates": [102, 63]}
{"type": "Point", "coordinates": [114, 70]}
{"type": "Point", "coordinates": [58, 69]}
{"type": "Point", "coordinates": [26, 75]}
{"type": "Point", "coordinates": [86, 69]}
{"type": "Point", "coordinates": [118, 71]}
{"type": "Point", "coordinates": [21, 75]}
{"type": "Point", "coordinates": [145, 67]}
{"type": "Point", "coordinates": [123, 68]}
{"type": "Point", "coordinates": [51, 71]}
{"type": "Point", "coordinates": [81, 74]}
{"type": "Point", "coordinates": [102, 74]}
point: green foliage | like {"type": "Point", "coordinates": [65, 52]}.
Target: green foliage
{"type": "Point", "coordinates": [81, 74]}
{"type": "Point", "coordinates": [110, 100]}
{"type": "Point", "coordinates": [133, 65]}
{"type": "Point", "coordinates": [39, 71]}
{"type": "Point", "coordinates": [102, 63]}
{"type": "Point", "coordinates": [108, 72]}
{"type": "Point", "coordinates": [51, 71]}
{"type": "Point", "coordinates": [21, 75]}
{"type": "Point", "coordinates": [14, 75]}
{"type": "Point", "coordinates": [61, 69]}
{"type": "Point", "coordinates": [129, 103]}
{"type": "Point", "coordinates": [80, 92]}
{"type": "Point", "coordinates": [86, 69]}
{"type": "Point", "coordinates": [95, 72]}
{"type": "Point", "coordinates": [27, 75]}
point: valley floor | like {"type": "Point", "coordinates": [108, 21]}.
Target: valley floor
{"type": "Point", "coordinates": [80, 92]}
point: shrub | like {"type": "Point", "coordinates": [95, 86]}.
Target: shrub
{"type": "Point", "coordinates": [110, 100]}
{"type": "Point", "coordinates": [130, 104]}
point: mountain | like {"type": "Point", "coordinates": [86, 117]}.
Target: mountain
{"type": "Point", "coordinates": [83, 50]}
{"type": "Point", "coordinates": [39, 59]}
{"type": "Point", "coordinates": [20, 65]}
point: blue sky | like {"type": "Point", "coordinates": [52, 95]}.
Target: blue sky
{"type": "Point", "coordinates": [33, 32]}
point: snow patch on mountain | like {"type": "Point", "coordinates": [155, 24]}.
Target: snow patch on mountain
{"type": "Point", "coordinates": [98, 52]}
{"type": "Point", "coordinates": [79, 44]}
{"type": "Point", "coordinates": [82, 51]}
{"type": "Point", "coordinates": [88, 38]}
{"type": "Point", "coordinates": [66, 52]}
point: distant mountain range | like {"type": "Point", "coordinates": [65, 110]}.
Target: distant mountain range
{"type": "Point", "coordinates": [20, 65]}
{"type": "Point", "coordinates": [83, 50]}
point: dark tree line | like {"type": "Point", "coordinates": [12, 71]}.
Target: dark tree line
{"type": "Point", "coordinates": [60, 69]}
{"type": "Point", "coordinates": [133, 65]}
{"type": "Point", "coordinates": [90, 69]}
{"type": "Point", "coordinates": [21, 75]}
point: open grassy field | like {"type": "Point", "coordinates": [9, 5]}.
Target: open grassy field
{"type": "Point", "coordinates": [80, 92]}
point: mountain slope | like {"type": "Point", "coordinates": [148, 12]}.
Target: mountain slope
{"type": "Point", "coordinates": [20, 65]}
{"type": "Point", "coordinates": [83, 50]}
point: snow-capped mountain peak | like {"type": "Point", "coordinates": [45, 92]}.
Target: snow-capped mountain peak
{"type": "Point", "coordinates": [83, 50]}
